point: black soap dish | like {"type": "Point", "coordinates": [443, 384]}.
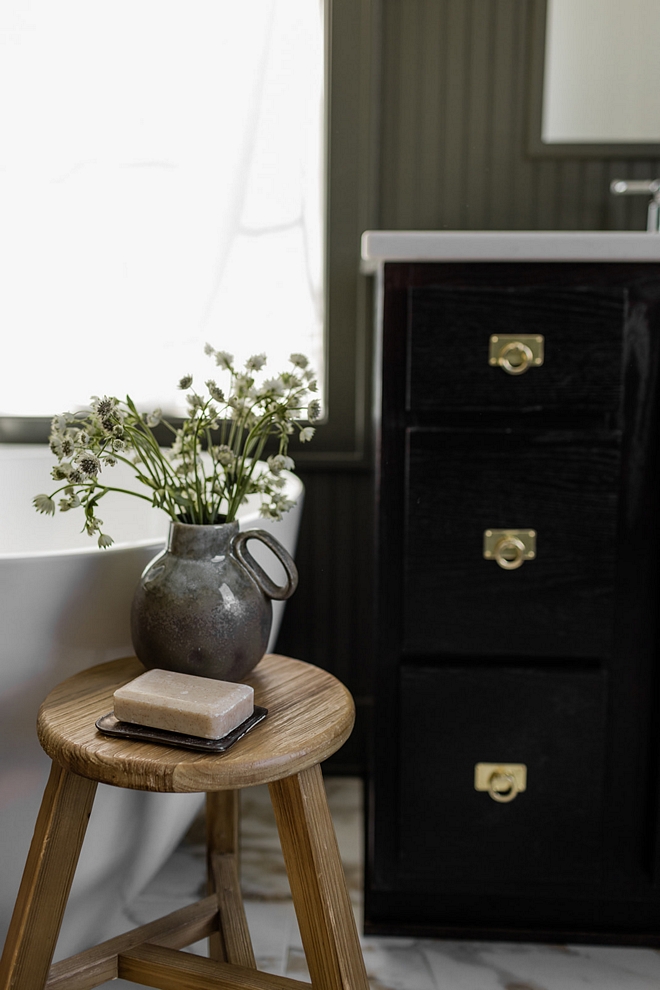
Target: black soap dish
{"type": "Point", "coordinates": [111, 726]}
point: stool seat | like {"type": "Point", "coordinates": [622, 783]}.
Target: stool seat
{"type": "Point", "coordinates": [310, 715]}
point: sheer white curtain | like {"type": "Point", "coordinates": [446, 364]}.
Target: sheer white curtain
{"type": "Point", "coordinates": [161, 185]}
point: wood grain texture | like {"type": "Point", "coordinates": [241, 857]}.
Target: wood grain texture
{"type": "Point", "coordinates": [94, 966]}
{"type": "Point", "coordinates": [233, 928]}
{"type": "Point", "coordinates": [550, 720]}
{"type": "Point", "coordinates": [561, 483]}
{"type": "Point", "coordinates": [310, 715]}
{"type": "Point", "coordinates": [450, 329]}
{"type": "Point", "coordinates": [51, 864]}
{"type": "Point", "coordinates": [222, 821]}
{"type": "Point", "coordinates": [165, 969]}
{"type": "Point", "coordinates": [318, 886]}
{"type": "Point", "coordinates": [222, 818]}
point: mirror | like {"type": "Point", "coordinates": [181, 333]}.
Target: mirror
{"type": "Point", "coordinates": [597, 75]}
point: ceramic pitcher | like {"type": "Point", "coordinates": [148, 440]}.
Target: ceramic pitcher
{"type": "Point", "coordinates": [203, 606]}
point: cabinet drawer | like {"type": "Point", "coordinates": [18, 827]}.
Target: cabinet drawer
{"type": "Point", "coordinates": [453, 719]}
{"type": "Point", "coordinates": [448, 347]}
{"type": "Point", "coordinates": [561, 484]}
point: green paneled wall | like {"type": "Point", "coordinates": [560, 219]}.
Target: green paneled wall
{"type": "Point", "coordinates": [454, 106]}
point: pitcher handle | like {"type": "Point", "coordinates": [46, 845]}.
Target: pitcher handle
{"type": "Point", "coordinates": [267, 586]}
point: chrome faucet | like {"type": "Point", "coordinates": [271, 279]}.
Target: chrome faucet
{"type": "Point", "coordinates": [642, 187]}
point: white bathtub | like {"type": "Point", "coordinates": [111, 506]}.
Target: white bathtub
{"type": "Point", "coordinates": [65, 605]}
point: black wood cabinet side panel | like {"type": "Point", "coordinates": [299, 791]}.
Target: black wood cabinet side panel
{"type": "Point", "coordinates": [561, 484]}
{"type": "Point", "coordinates": [454, 718]}
{"type": "Point", "coordinates": [450, 329]}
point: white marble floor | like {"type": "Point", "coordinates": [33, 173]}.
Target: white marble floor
{"type": "Point", "coordinates": [392, 963]}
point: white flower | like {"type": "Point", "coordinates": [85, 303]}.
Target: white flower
{"type": "Point", "coordinates": [45, 504]}
{"type": "Point", "coordinates": [69, 503]}
{"type": "Point", "coordinates": [153, 418]}
{"type": "Point", "coordinates": [224, 360]}
{"type": "Point", "coordinates": [86, 443]}
{"type": "Point", "coordinates": [92, 524]}
{"type": "Point", "coordinates": [215, 392]}
{"type": "Point", "coordinates": [106, 407]}
{"type": "Point", "coordinates": [273, 386]}
{"type": "Point", "coordinates": [276, 507]}
{"type": "Point", "coordinates": [299, 360]}
{"type": "Point", "coordinates": [256, 362]}
{"type": "Point", "coordinates": [279, 462]}
{"type": "Point", "coordinates": [61, 472]}
{"type": "Point", "coordinates": [224, 455]}
{"type": "Point", "coordinates": [242, 384]}
{"type": "Point", "coordinates": [89, 464]}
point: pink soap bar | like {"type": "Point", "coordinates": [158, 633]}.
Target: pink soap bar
{"type": "Point", "coordinates": [194, 706]}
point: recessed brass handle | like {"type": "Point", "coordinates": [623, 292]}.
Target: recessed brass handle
{"type": "Point", "coordinates": [502, 781]}
{"type": "Point", "coordinates": [516, 353]}
{"type": "Point", "coordinates": [502, 787]}
{"type": "Point", "coordinates": [509, 553]}
{"type": "Point", "coordinates": [510, 548]}
{"type": "Point", "coordinates": [515, 358]}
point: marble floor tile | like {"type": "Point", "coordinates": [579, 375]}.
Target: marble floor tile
{"type": "Point", "coordinates": [273, 928]}
{"type": "Point", "coordinates": [497, 965]}
{"type": "Point", "coordinates": [397, 964]}
{"type": "Point", "coordinates": [392, 963]}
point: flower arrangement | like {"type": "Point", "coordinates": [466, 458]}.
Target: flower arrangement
{"type": "Point", "coordinates": [233, 425]}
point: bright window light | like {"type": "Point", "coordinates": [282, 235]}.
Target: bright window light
{"type": "Point", "coordinates": [161, 185]}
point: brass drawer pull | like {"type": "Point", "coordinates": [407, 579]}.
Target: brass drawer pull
{"type": "Point", "coordinates": [502, 787]}
{"type": "Point", "coordinates": [516, 353]}
{"type": "Point", "coordinates": [503, 781]}
{"type": "Point", "coordinates": [510, 548]}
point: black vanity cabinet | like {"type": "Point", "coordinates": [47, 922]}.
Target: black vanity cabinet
{"type": "Point", "coordinates": [493, 674]}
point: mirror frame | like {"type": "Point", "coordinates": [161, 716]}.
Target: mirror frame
{"type": "Point", "coordinates": [540, 149]}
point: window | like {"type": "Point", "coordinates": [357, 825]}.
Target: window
{"type": "Point", "coordinates": [161, 184]}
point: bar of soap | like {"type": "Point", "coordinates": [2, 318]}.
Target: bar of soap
{"type": "Point", "coordinates": [194, 706]}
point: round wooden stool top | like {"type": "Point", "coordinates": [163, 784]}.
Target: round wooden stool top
{"type": "Point", "coordinates": [310, 715]}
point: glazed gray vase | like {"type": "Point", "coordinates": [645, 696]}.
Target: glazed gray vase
{"type": "Point", "coordinates": [203, 606]}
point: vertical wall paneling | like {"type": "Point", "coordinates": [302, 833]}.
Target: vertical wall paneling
{"type": "Point", "coordinates": [329, 621]}
{"type": "Point", "coordinates": [455, 117]}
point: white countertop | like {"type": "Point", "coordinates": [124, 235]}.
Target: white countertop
{"type": "Point", "coordinates": [379, 246]}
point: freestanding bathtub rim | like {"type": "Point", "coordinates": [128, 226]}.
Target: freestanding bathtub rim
{"type": "Point", "coordinates": [295, 489]}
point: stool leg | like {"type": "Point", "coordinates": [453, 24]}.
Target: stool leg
{"type": "Point", "coordinates": [232, 941]}
{"type": "Point", "coordinates": [44, 891]}
{"type": "Point", "coordinates": [318, 885]}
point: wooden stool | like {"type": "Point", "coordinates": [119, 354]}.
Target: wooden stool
{"type": "Point", "coordinates": [310, 716]}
